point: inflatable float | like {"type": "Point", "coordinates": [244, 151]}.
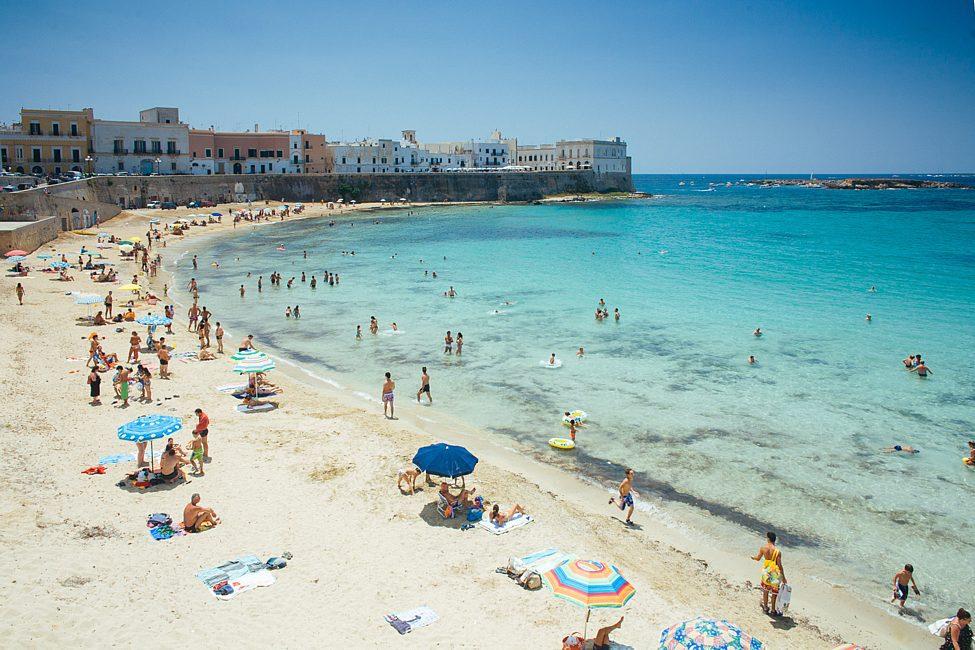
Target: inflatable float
{"type": "Point", "coordinates": [578, 416]}
{"type": "Point", "coordinates": [561, 443]}
{"type": "Point", "coordinates": [552, 366]}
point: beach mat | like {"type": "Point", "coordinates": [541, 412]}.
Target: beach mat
{"type": "Point", "coordinates": [414, 619]}
{"type": "Point", "coordinates": [261, 408]}
{"type": "Point", "coordinates": [515, 522]}
{"type": "Point", "coordinates": [247, 582]}
{"type": "Point", "coordinates": [161, 533]}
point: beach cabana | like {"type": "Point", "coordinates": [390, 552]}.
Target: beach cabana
{"type": "Point", "coordinates": [589, 584]}
{"type": "Point", "coordinates": [707, 634]}
{"type": "Point", "coordinates": [147, 428]}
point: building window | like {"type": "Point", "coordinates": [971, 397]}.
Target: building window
{"type": "Point", "coordinates": [343, 160]}
{"type": "Point", "coordinates": [206, 153]}
{"type": "Point", "coordinates": [219, 153]}
{"type": "Point", "coordinates": [140, 146]}
{"type": "Point", "coordinates": [252, 169]}
{"type": "Point", "coordinates": [3, 155]}
{"type": "Point", "coordinates": [156, 146]}
{"type": "Point", "coordinates": [171, 147]}
{"type": "Point", "coordinates": [57, 155]}
{"type": "Point", "coordinates": [172, 166]}
{"type": "Point", "coordinates": [121, 166]}
{"type": "Point", "coordinates": [236, 154]}
{"type": "Point", "coordinates": [35, 128]}
{"type": "Point", "coordinates": [76, 155]}
{"type": "Point", "coordinates": [20, 153]}
{"type": "Point", "coordinates": [279, 152]}
{"type": "Point", "coordinates": [252, 153]}
{"type": "Point", "coordinates": [307, 144]}
{"type": "Point", "coordinates": [74, 128]}
{"type": "Point", "coordinates": [55, 128]}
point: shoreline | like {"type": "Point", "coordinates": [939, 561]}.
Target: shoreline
{"type": "Point", "coordinates": [662, 561]}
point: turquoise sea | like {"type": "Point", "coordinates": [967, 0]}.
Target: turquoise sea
{"type": "Point", "coordinates": [792, 443]}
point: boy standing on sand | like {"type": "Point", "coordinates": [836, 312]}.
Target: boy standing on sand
{"type": "Point", "coordinates": [626, 496]}
{"type": "Point", "coordinates": [196, 456]}
{"type": "Point", "coordinates": [902, 580]}
{"type": "Point", "coordinates": [388, 387]}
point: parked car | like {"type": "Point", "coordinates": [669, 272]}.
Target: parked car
{"type": "Point", "coordinates": [9, 188]}
{"type": "Point", "coordinates": [121, 173]}
{"type": "Point", "coordinates": [207, 204]}
{"type": "Point", "coordinates": [168, 205]}
{"type": "Point", "coordinates": [53, 181]}
{"type": "Point", "coordinates": [153, 205]}
{"type": "Point", "coordinates": [24, 186]}
{"type": "Point", "coordinates": [193, 204]}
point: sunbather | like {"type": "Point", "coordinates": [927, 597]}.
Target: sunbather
{"type": "Point", "coordinates": [499, 518]}
{"type": "Point", "coordinates": [462, 499]}
{"type": "Point", "coordinates": [171, 467]}
{"type": "Point", "coordinates": [409, 477]}
{"type": "Point", "coordinates": [576, 641]}
{"type": "Point", "coordinates": [195, 516]}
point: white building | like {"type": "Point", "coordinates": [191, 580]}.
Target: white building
{"type": "Point", "coordinates": [366, 157]}
{"type": "Point", "coordinates": [157, 144]}
{"type": "Point", "coordinates": [493, 153]}
{"type": "Point", "coordinates": [537, 157]}
{"type": "Point", "coordinates": [599, 155]}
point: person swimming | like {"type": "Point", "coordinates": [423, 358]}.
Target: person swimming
{"type": "Point", "coordinates": [906, 449]}
{"type": "Point", "coordinates": [758, 331]}
{"type": "Point", "coordinates": [581, 352]}
{"type": "Point", "coordinates": [752, 360]}
{"type": "Point", "coordinates": [552, 360]}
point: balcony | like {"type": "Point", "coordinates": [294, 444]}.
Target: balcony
{"type": "Point", "coordinates": [174, 152]}
{"type": "Point", "coordinates": [120, 152]}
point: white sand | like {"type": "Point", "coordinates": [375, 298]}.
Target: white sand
{"type": "Point", "coordinates": [316, 478]}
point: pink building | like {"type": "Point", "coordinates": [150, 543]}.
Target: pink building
{"type": "Point", "coordinates": [249, 152]}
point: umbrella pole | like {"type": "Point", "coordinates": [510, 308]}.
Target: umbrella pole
{"type": "Point", "coordinates": [585, 627]}
{"type": "Point", "coordinates": [151, 457]}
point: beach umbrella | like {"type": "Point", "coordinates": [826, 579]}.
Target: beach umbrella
{"type": "Point", "coordinates": [442, 459]}
{"type": "Point", "coordinates": [135, 239]}
{"type": "Point", "coordinates": [130, 287]}
{"type": "Point", "coordinates": [126, 242]}
{"type": "Point", "coordinates": [154, 221]}
{"type": "Point", "coordinates": [216, 214]}
{"type": "Point", "coordinates": [589, 584]}
{"type": "Point", "coordinates": [16, 258]}
{"type": "Point", "coordinates": [87, 299]}
{"type": "Point", "coordinates": [244, 354]}
{"type": "Point", "coordinates": [707, 634]}
{"type": "Point", "coordinates": [254, 363]}
{"type": "Point", "coordinates": [149, 428]}
{"type": "Point", "coordinates": [44, 256]}
{"type": "Point", "coordinates": [14, 253]}
{"type": "Point", "coordinates": [153, 320]}
{"type": "Point", "coordinates": [60, 265]}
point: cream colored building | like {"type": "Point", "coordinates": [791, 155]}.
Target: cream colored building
{"type": "Point", "coordinates": [48, 142]}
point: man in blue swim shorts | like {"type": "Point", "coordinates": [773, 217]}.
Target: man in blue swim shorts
{"type": "Point", "coordinates": [626, 496]}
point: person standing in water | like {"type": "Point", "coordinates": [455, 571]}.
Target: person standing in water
{"type": "Point", "coordinates": [460, 343]}
{"type": "Point", "coordinates": [902, 580]}
{"type": "Point", "coordinates": [448, 343]}
{"type": "Point", "coordinates": [424, 386]}
{"type": "Point", "coordinates": [921, 369]}
{"type": "Point", "coordinates": [773, 573]}
{"type": "Point", "coordinates": [387, 396]}
{"type": "Point", "coordinates": [626, 496]}
{"type": "Point", "coordinates": [358, 332]}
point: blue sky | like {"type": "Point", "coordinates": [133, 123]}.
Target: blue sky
{"type": "Point", "coordinates": [737, 86]}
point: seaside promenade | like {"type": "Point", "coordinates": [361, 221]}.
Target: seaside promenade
{"type": "Point", "coordinates": [316, 478]}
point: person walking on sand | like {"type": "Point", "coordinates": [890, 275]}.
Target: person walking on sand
{"type": "Point", "coordinates": [424, 386]}
{"type": "Point", "coordinates": [219, 335]}
{"type": "Point", "coordinates": [20, 293]}
{"type": "Point", "coordinates": [195, 446]}
{"type": "Point", "coordinates": [163, 354]}
{"type": "Point", "coordinates": [626, 496]}
{"type": "Point", "coordinates": [773, 573]}
{"type": "Point", "coordinates": [108, 305]}
{"type": "Point", "coordinates": [387, 396]}
{"type": "Point", "coordinates": [902, 580]}
{"type": "Point", "coordinates": [135, 342]}
{"type": "Point", "coordinates": [193, 313]}
{"type": "Point", "coordinates": [123, 386]}
{"type": "Point", "coordinates": [203, 429]}
{"type": "Point", "coordinates": [95, 387]}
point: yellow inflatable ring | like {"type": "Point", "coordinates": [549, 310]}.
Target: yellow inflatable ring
{"type": "Point", "coordinates": [561, 443]}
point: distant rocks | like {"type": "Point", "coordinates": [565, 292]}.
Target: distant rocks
{"type": "Point", "coordinates": [861, 183]}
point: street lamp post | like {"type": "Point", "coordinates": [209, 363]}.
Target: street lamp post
{"type": "Point", "coordinates": [158, 162]}
{"type": "Point", "coordinates": [88, 161]}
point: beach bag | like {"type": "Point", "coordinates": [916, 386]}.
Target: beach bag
{"type": "Point", "coordinates": [940, 628]}
{"type": "Point", "coordinates": [276, 563]}
{"type": "Point", "coordinates": [475, 514]}
{"type": "Point", "coordinates": [515, 566]}
{"type": "Point", "coordinates": [530, 580]}
{"type": "Point", "coordinates": [785, 597]}
{"type": "Point", "coordinates": [160, 519]}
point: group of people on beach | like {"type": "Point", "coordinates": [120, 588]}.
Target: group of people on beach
{"type": "Point", "coordinates": [914, 363]}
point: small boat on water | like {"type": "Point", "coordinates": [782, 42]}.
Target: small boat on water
{"type": "Point", "coordinates": [681, 184]}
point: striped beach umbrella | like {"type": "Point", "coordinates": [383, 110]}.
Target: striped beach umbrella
{"type": "Point", "coordinates": [148, 428]}
{"type": "Point", "coordinates": [707, 634]}
{"type": "Point", "coordinates": [153, 319]}
{"type": "Point", "coordinates": [60, 265]}
{"type": "Point", "coordinates": [247, 353]}
{"type": "Point", "coordinates": [87, 299]}
{"type": "Point", "coordinates": [259, 362]}
{"type": "Point", "coordinates": [589, 584]}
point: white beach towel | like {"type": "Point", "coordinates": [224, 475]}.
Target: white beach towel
{"type": "Point", "coordinates": [230, 388]}
{"type": "Point", "coordinates": [515, 522]}
{"type": "Point", "coordinates": [260, 408]}
{"type": "Point", "coordinates": [412, 619]}
{"type": "Point", "coordinates": [246, 582]}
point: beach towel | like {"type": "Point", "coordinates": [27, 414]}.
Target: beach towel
{"type": "Point", "coordinates": [231, 570]}
{"type": "Point", "coordinates": [260, 408]}
{"type": "Point", "coordinates": [413, 619]}
{"type": "Point", "coordinates": [185, 355]}
{"type": "Point", "coordinates": [515, 522]}
{"type": "Point", "coordinates": [166, 531]}
{"type": "Point", "coordinates": [230, 388]}
{"type": "Point", "coordinates": [246, 582]}
{"type": "Point", "coordinates": [115, 458]}
{"type": "Point", "coordinates": [100, 469]}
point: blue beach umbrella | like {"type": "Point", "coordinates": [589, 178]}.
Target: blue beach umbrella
{"type": "Point", "coordinates": [153, 319]}
{"type": "Point", "coordinates": [87, 299]}
{"type": "Point", "coordinates": [44, 256]}
{"type": "Point", "coordinates": [149, 428]}
{"type": "Point", "coordinates": [60, 265]}
{"type": "Point", "coordinates": [442, 459]}
{"type": "Point", "coordinates": [16, 258]}
{"type": "Point", "coordinates": [215, 214]}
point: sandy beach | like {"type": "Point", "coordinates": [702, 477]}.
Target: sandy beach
{"type": "Point", "coordinates": [316, 478]}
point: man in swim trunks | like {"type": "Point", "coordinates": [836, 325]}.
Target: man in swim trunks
{"type": "Point", "coordinates": [448, 343]}
{"type": "Point", "coordinates": [219, 334]}
{"type": "Point", "coordinates": [626, 496]}
{"type": "Point", "coordinates": [194, 515]}
{"type": "Point", "coordinates": [108, 305]}
{"type": "Point", "coordinates": [388, 387]}
{"type": "Point", "coordinates": [170, 467]}
{"type": "Point", "coordinates": [907, 449]}
{"type": "Point", "coordinates": [163, 355]}
{"type": "Point", "coordinates": [424, 386]}
{"type": "Point", "coordinates": [902, 580]}
{"type": "Point", "coordinates": [247, 344]}
{"type": "Point", "coordinates": [203, 428]}
{"type": "Point", "coordinates": [921, 369]}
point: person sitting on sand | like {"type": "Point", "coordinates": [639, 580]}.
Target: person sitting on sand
{"type": "Point", "coordinates": [129, 315]}
{"type": "Point", "coordinates": [170, 467]}
{"type": "Point", "coordinates": [576, 641]}
{"type": "Point", "coordinates": [409, 477]}
{"type": "Point", "coordinates": [206, 355]}
{"type": "Point", "coordinates": [462, 499]}
{"type": "Point", "coordinates": [499, 518]}
{"type": "Point", "coordinates": [99, 319]}
{"type": "Point", "coordinates": [907, 449]}
{"type": "Point", "coordinates": [196, 518]}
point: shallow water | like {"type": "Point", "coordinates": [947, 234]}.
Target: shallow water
{"type": "Point", "coordinates": [791, 443]}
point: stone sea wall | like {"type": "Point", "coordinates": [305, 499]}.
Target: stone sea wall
{"type": "Point", "coordinates": [76, 203]}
